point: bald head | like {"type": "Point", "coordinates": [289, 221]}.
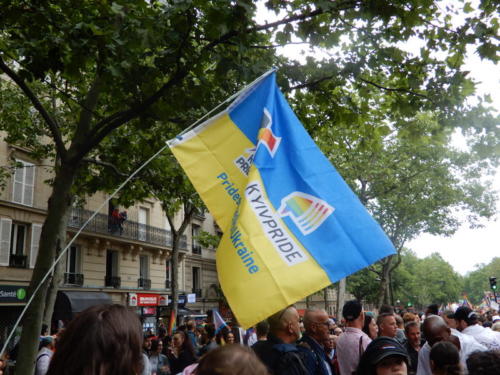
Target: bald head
{"type": "Point", "coordinates": [436, 329]}
{"type": "Point", "coordinates": [316, 324]}
{"type": "Point", "coordinates": [285, 324]}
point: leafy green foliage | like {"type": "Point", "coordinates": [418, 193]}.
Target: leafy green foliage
{"type": "Point", "coordinates": [477, 282]}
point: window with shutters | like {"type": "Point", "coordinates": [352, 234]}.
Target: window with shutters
{"type": "Point", "coordinates": [24, 181]}
{"type": "Point", "coordinates": [73, 260]}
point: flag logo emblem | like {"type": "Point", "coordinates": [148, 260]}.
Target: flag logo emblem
{"type": "Point", "coordinates": [266, 136]}
{"type": "Point", "coordinates": [306, 211]}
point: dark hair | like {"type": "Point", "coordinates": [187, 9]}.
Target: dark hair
{"type": "Point", "coordinates": [445, 358]}
{"type": "Point", "coordinates": [262, 328]}
{"type": "Point", "coordinates": [366, 325]}
{"type": "Point", "coordinates": [432, 309]}
{"type": "Point", "coordinates": [231, 360]}
{"type": "Point", "coordinates": [154, 345]}
{"type": "Point", "coordinates": [411, 324]}
{"type": "Point", "coordinates": [109, 335]}
{"type": "Point", "coordinates": [210, 330]}
{"type": "Point", "coordinates": [386, 309]}
{"type": "Point", "coordinates": [187, 346]}
{"type": "Point", "coordinates": [381, 317]}
{"type": "Point", "coordinates": [484, 363]}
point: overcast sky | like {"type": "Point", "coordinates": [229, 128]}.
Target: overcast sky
{"type": "Point", "coordinates": [468, 247]}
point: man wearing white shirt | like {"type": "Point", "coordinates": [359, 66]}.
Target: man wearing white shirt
{"type": "Point", "coordinates": [435, 330]}
{"type": "Point", "coordinates": [468, 323]}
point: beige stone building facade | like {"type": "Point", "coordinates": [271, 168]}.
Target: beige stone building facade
{"type": "Point", "coordinates": [126, 262]}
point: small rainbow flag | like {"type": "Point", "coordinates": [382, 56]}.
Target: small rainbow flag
{"type": "Point", "coordinates": [172, 323]}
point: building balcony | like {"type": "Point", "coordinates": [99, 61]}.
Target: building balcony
{"type": "Point", "coordinates": [197, 249]}
{"type": "Point", "coordinates": [18, 261]}
{"type": "Point", "coordinates": [144, 283]}
{"type": "Point", "coordinates": [73, 279]}
{"type": "Point", "coordinates": [127, 230]}
{"type": "Point", "coordinates": [198, 292]}
{"type": "Point", "coordinates": [112, 281]}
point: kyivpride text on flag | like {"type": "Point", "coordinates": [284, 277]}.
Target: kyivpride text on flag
{"type": "Point", "coordinates": [284, 244]}
{"type": "Point", "coordinates": [229, 187]}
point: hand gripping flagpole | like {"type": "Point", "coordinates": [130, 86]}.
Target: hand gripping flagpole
{"type": "Point", "coordinates": [63, 252]}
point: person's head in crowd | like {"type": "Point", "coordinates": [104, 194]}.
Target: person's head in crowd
{"type": "Point", "coordinates": [210, 331]}
{"type": "Point", "coordinates": [104, 339]}
{"type": "Point", "coordinates": [285, 325]}
{"type": "Point", "coordinates": [449, 317]}
{"type": "Point", "coordinates": [181, 343]}
{"type": "Point", "coordinates": [353, 314]}
{"type": "Point", "coordinates": [384, 356]}
{"type": "Point", "coordinates": [316, 323]}
{"type": "Point", "coordinates": [495, 318]}
{"type": "Point", "coordinates": [229, 337]}
{"type": "Point", "coordinates": [162, 332]}
{"type": "Point", "coordinates": [370, 327]}
{"type": "Point", "coordinates": [47, 342]}
{"type": "Point", "coordinates": [432, 309]}
{"type": "Point", "coordinates": [231, 360]}
{"type": "Point", "coordinates": [387, 325]}
{"type": "Point", "coordinates": [436, 330]}
{"type": "Point", "coordinates": [412, 333]}
{"type": "Point", "coordinates": [262, 329]}
{"type": "Point", "coordinates": [337, 331]}
{"type": "Point", "coordinates": [190, 325]}
{"type": "Point", "coordinates": [45, 330]}
{"type": "Point", "coordinates": [386, 309]}
{"type": "Point", "coordinates": [496, 327]}
{"type": "Point", "coordinates": [410, 317]}
{"type": "Point", "coordinates": [399, 321]}
{"type": "Point", "coordinates": [329, 343]}
{"type": "Point", "coordinates": [484, 363]}
{"type": "Point", "coordinates": [146, 343]}
{"type": "Point", "coordinates": [156, 346]}
{"type": "Point", "coordinates": [445, 359]}
{"type": "Point", "coordinates": [465, 316]}
{"type": "Point", "coordinates": [332, 326]}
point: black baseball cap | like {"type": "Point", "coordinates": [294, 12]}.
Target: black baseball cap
{"type": "Point", "coordinates": [352, 310]}
{"type": "Point", "coordinates": [383, 347]}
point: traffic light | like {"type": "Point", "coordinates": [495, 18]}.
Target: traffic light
{"type": "Point", "coordinates": [493, 283]}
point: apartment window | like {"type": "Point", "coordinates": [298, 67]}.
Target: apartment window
{"type": "Point", "coordinates": [15, 245]}
{"type": "Point", "coordinates": [195, 232]}
{"type": "Point", "coordinates": [144, 267]}
{"type": "Point", "coordinates": [143, 222]}
{"type": "Point", "coordinates": [112, 278]}
{"type": "Point", "coordinates": [168, 274]}
{"type": "Point", "coordinates": [73, 275]}
{"type": "Point", "coordinates": [196, 280]}
{"type": "Point", "coordinates": [73, 260]}
{"type": "Point", "coordinates": [24, 181]}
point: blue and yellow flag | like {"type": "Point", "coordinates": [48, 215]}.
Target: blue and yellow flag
{"type": "Point", "coordinates": [292, 226]}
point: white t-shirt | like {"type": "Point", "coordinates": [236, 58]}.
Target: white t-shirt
{"type": "Point", "coordinates": [468, 345]}
{"type": "Point", "coordinates": [484, 336]}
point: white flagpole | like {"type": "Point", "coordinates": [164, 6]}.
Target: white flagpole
{"type": "Point", "coordinates": [63, 252]}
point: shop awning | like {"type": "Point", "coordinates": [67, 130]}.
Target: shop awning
{"type": "Point", "coordinates": [69, 303]}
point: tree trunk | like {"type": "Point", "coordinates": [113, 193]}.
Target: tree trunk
{"type": "Point", "coordinates": [56, 278]}
{"type": "Point", "coordinates": [55, 224]}
{"type": "Point", "coordinates": [341, 297]}
{"type": "Point", "coordinates": [383, 295]}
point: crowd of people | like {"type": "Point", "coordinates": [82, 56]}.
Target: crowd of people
{"type": "Point", "coordinates": [108, 339]}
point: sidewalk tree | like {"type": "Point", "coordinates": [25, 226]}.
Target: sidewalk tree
{"type": "Point", "coordinates": [122, 66]}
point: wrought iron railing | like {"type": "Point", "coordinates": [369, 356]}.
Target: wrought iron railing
{"type": "Point", "coordinates": [73, 278]}
{"type": "Point", "coordinates": [113, 281]}
{"type": "Point", "coordinates": [198, 292]}
{"type": "Point", "coordinates": [128, 229]}
{"type": "Point", "coordinates": [18, 261]}
{"type": "Point", "coordinates": [144, 283]}
{"type": "Point", "coordinates": [197, 249]}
